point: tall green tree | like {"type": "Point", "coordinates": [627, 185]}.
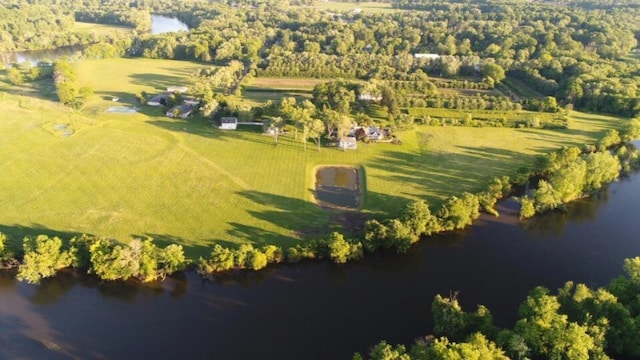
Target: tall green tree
{"type": "Point", "coordinates": [274, 126]}
{"type": "Point", "coordinates": [549, 334]}
{"type": "Point", "coordinates": [313, 128]}
{"type": "Point", "coordinates": [494, 71]}
{"type": "Point", "coordinates": [43, 257]}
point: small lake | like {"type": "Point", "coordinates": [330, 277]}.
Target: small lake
{"type": "Point", "coordinates": [163, 24]}
{"type": "Point", "coordinates": [338, 187]}
{"type": "Point", "coordinates": [320, 310]}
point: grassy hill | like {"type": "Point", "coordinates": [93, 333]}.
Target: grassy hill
{"type": "Point", "coordinates": [184, 181]}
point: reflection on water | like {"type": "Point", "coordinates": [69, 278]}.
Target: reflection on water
{"type": "Point", "coordinates": [579, 211]}
{"type": "Point", "coordinates": [37, 56]}
{"type": "Point", "coordinates": [162, 24]}
{"type": "Point", "coordinates": [159, 24]}
{"type": "Point", "coordinates": [286, 310]}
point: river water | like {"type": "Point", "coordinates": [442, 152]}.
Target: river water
{"type": "Point", "coordinates": [319, 310]}
{"type": "Point", "coordinates": [159, 24]}
{"type": "Point", "coordinates": [162, 24]}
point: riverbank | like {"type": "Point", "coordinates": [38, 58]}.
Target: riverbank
{"type": "Point", "coordinates": [384, 296]}
{"type": "Point", "coordinates": [185, 182]}
{"type": "Point", "coordinates": [570, 174]}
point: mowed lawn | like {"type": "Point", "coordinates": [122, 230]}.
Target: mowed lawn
{"type": "Point", "coordinates": [184, 181]}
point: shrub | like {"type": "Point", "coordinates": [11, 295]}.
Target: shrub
{"type": "Point", "coordinates": [457, 213]}
{"type": "Point", "coordinates": [527, 207]}
{"type": "Point", "coordinates": [221, 259]}
{"type": "Point", "coordinates": [43, 257]}
{"type": "Point", "coordinates": [255, 260]}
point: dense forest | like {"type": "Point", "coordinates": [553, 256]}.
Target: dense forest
{"type": "Point", "coordinates": [579, 52]}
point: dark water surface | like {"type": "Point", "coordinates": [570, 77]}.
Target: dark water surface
{"type": "Point", "coordinates": [319, 310]}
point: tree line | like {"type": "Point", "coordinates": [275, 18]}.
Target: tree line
{"type": "Point", "coordinates": [43, 256]}
{"type": "Point", "coordinates": [578, 322]}
{"type": "Point", "coordinates": [571, 173]}
{"type": "Point", "coordinates": [575, 53]}
{"type": "Point", "coordinates": [68, 88]}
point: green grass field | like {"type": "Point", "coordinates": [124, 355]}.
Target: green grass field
{"type": "Point", "coordinates": [261, 89]}
{"type": "Point", "coordinates": [100, 29]}
{"type": "Point", "coordinates": [269, 83]}
{"type": "Point", "coordinates": [184, 181]}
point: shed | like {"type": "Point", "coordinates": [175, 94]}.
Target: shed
{"type": "Point", "coordinates": [348, 143]}
{"type": "Point", "coordinates": [159, 100]}
{"type": "Point", "coordinates": [228, 123]}
{"type": "Point", "coordinates": [183, 111]}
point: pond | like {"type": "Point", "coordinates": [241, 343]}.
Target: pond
{"type": "Point", "coordinates": [163, 24]}
{"type": "Point", "coordinates": [338, 187]}
{"type": "Point", "coordinates": [320, 310]}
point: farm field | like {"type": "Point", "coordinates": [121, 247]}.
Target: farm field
{"type": "Point", "coordinates": [261, 89]}
{"type": "Point", "coordinates": [270, 83]}
{"type": "Point", "coordinates": [184, 181]}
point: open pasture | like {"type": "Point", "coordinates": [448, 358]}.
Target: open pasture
{"type": "Point", "coordinates": [100, 29]}
{"type": "Point", "coordinates": [187, 182]}
{"type": "Point", "coordinates": [262, 89]}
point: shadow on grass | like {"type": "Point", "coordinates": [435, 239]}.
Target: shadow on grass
{"type": "Point", "coordinates": [199, 126]}
{"type": "Point", "coordinates": [124, 98]}
{"type": "Point", "coordinates": [301, 217]}
{"type": "Point", "coordinates": [159, 81]}
{"type": "Point", "coordinates": [39, 89]}
{"type": "Point", "coordinates": [554, 141]}
{"type": "Point", "coordinates": [191, 249]}
{"type": "Point", "coordinates": [260, 237]}
{"type": "Point", "coordinates": [451, 173]}
{"type": "Point", "coordinates": [17, 232]}
{"type": "Point", "coordinates": [307, 220]}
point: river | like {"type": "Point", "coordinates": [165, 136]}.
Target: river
{"type": "Point", "coordinates": [159, 24]}
{"type": "Point", "coordinates": [163, 24]}
{"type": "Point", "coordinates": [319, 310]}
